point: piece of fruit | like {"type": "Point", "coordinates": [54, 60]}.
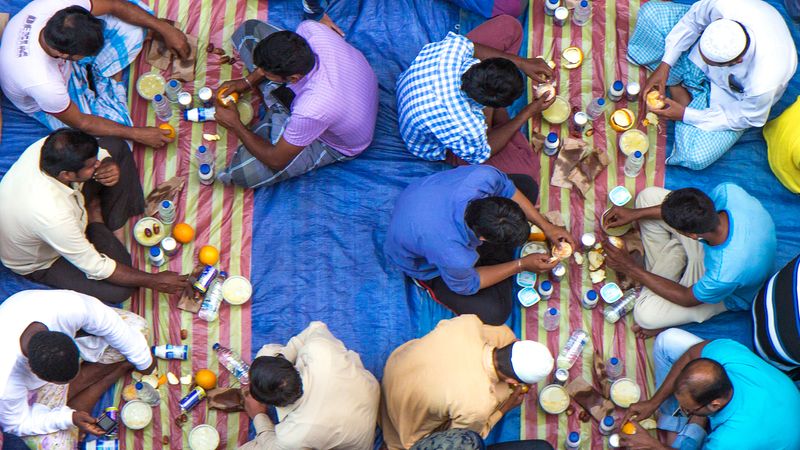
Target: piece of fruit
{"type": "Point", "coordinates": [211, 137]}
{"type": "Point", "coordinates": [186, 379]}
{"type": "Point", "coordinates": [616, 242]}
{"type": "Point", "coordinates": [162, 380]}
{"type": "Point", "coordinates": [562, 251]}
{"type": "Point", "coordinates": [596, 260]}
{"type": "Point", "coordinates": [170, 128]}
{"type": "Point", "coordinates": [573, 57]}
{"type": "Point", "coordinates": [151, 379]}
{"type": "Point", "coordinates": [172, 379]}
{"type": "Point", "coordinates": [654, 101]}
{"type": "Point", "coordinates": [227, 99]}
{"type": "Point", "coordinates": [597, 276]}
{"type": "Point", "coordinates": [628, 428]}
{"type": "Point", "coordinates": [579, 259]}
{"type": "Point", "coordinates": [183, 233]}
{"type": "Point", "coordinates": [206, 379]}
{"type": "Point", "coordinates": [545, 90]}
{"type": "Point", "coordinates": [648, 424]}
{"type": "Point", "coordinates": [208, 255]}
{"type": "Point", "coordinates": [129, 393]}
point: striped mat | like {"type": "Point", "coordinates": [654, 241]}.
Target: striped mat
{"type": "Point", "coordinates": [604, 43]}
{"type": "Point", "coordinates": [221, 216]}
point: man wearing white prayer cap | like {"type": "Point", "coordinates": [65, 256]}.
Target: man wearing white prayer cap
{"type": "Point", "coordinates": [723, 64]}
{"type": "Point", "coordinates": [463, 374]}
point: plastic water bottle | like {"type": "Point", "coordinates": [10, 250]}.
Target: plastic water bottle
{"type": "Point", "coordinates": [550, 7]}
{"type": "Point", "coordinates": [551, 319]}
{"type": "Point", "coordinates": [573, 441]}
{"type": "Point", "coordinates": [172, 89]}
{"type": "Point", "coordinates": [582, 13]}
{"type": "Point", "coordinates": [206, 174]}
{"type": "Point", "coordinates": [589, 300]}
{"type": "Point", "coordinates": [616, 91]}
{"type": "Point", "coordinates": [233, 362]}
{"type": "Point", "coordinates": [162, 108]}
{"type": "Point", "coordinates": [551, 144]}
{"type": "Point", "coordinates": [204, 155]}
{"type": "Point", "coordinates": [147, 393]}
{"type": "Point", "coordinates": [596, 109]}
{"type": "Point", "coordinates": [199, 114]}
{"type": "Point", "coordinates": [618, 309]}
{"type": "Point", "coordinates": [156, 256]}
{"type": "Point", "coordinates": [614, 368]}
{"type": "Point", "coordinates": [607, 425]}
{"type": "Point", "coordinates": [166, 211]}
{"type": "Point", "coordinates": [572, 349]}
{"type": "Point", "coordinates": [103, 443]}
{"type": "Point", "coordinates": [546, 289]}
{"type": "Point", "coordinates": [209, 310]}
{"type": "Point", "coordinates": [560, 16]}
{"type": "Point", "coordinates": [634, 164]}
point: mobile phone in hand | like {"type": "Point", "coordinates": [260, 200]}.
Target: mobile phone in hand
{"type": "Point", "coordinates": [107, 424]}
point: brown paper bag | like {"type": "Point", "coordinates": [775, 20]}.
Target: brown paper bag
{"type": "Point", "coordinates": [226, 399]}
{"type": "Point", "coordinates": [167, 190]}
{"type": "Point", "coordinates": [183, 69]}
{"type": "Point", "coordinates": [568, 157]}
{"type": "Point", "coordinates": [157, 55]}
{"type": "Point", "coordinates": [589, 398]}
{"type": "Point", "coordinates": [537, 142]}
{"type": "Point", "coordinates": [191, 300]}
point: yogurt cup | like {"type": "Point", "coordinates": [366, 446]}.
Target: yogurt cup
{"type": "Point", "coordinates": [136, 415]}
{"type": "Point", "coordinates": [625, 392]}
{"type": "Point", "coordinates": [203, 437]}
{"type": "Point", "coordinates": [528, 297]}
{"type": "Point", "coordinates": [620, 196]}
{"type": "Point", "coordinates": [633, 140]}
{"type": "Point", "coordinates": [526, 279]}
{"type": "Point", "coordinates": [611, 293]}
{"type": "Point", "coordinates": [236, 290]}
{"type": "Point", "coordinates": [554, 399]}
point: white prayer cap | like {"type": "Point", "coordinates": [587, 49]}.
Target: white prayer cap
{"type": "Point", "coordinates": [531, 361]}
{"type": "Point", "coordinates": [723, 40]}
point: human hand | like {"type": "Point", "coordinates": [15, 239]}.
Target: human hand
{"type": "Point", "coordinates": [639, 440]}
{"type": "Point", "coordinates": [169, 282]}
{"type": "Point", "coordinates": [252, 406]}
{"type": "Point", "coordinates": [538, 105]}
{"type": "Point", "coordinates": [327, 21]}
{"type": "Point", "coordinates": [86, 423]}
{"type": "Point", "coordinates": [150, 368]}
{"type": "Point", "coordinates": [536, 69]}
{"type": "Point", "coordinates": [538, 262]}
{"type": "Point", "coordinates": [640, 411]}
{"type": "Point", "coordinates": [227, 115]}
{"type": "Point", "coordinates": [557, 235]}
{"type": "Point", "coordinates": [658, 79]}
{"type": "Point", "coordinates": [617, 216]}
{"type": "Point", "coordinates": [237, 86]}
{"type": "Point", "coordinates": [514, 400]}
{"type": "Point", "coordinates": [672, 110]}
{"type": "Point", "coordinates": [176, 41]}
{"type": "Point", "coordinates": [107, 173]}
{"type": "Point", "coordinates": [618, 258]}
{"type": "Point", "coordinates": [152, 136]}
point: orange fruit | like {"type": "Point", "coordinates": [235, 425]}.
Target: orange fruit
{"type": "Point", "coordinates": [227, 99]}
{"type": "Point", "coordinates": [183, 233]}
{"type": "Point", "coordinates": [206, 379]}
{"type": "Point", "coordinates": [628, 428]}
{"type": "Point", "coordinates": [208, 255]}
{"type": "Point", "coordinates": [168, 127]}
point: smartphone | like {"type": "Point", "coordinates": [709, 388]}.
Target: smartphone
{"type": "Point", "coordinates": [678, 413]}
{"type": "Point", "coordinates": [107, 424]}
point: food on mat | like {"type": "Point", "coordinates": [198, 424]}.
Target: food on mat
{"type": "Point", "coordinates": [650, 119]}
{"type": "Point", "coordinates": [150, 84]}
{"type": "Point", "coordinates": [648, 424]}
{"type": "Point", "coordinates": [546, 90]}
{"type": "Point", "coordinates": [148, 231]}
{"type": "Point", "coordinates": [136, 414]}
{"type": "Point", "coordinates": [206, 379]}
{"type": "Point", "coordinates": [172, 379]}
{"type": "Point", "coordinates": [579, 259]}
{"type": "Point", "coordinates": [654, 100]}
{"type": "Point", "coordinates": [211, 137]}
{"type": "Point", "coordinates": [208, 255]}
{"type": "Point", "coordinates": [624, 392]}
{"type": "Point", "coordinates": [150, 379]}
{"type": "Point", "coordinates": [562, 250]}
{"type": "Point", "coordinates": [554, 399]}
{"type": "Point", "coordinates": [183, 233]}
{"type": "Point", "coordinates": [186, 379]}
{"type": "Point", "coordinates": [184, 334]}
{"type": "Point", "coordinates": [227, 99]}
{"type": "Point", "coordinates": [629, 428]}
{"type": "Point", "coordinates": [168, 127]}
{"type": "Point", "coordinates": [596, 260]}
{"type": "Point", "coordinates": [129, 392]}
{"type": "Point", "coordinates": [573, 57]}
{"type": "Point", "coordinates": [633, 140]}
{"type": "Point", "coordinates": [162, 380]}
{"type": "Point", "coordinates": [558, 112]}
{"type": "Point", "coordinates": [622, 119]}
{"type": "Point", "coordinates": [236, 290]}
{"type": "Point", "coordinates": [597, 276]}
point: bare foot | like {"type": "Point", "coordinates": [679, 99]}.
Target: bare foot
{"type": "Point", "coordinates": [645, 333]}
{"type": "Point", "coordinates": [680, 95]}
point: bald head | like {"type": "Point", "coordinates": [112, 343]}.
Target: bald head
{"type": "Point", "coordinates": [704, 380]}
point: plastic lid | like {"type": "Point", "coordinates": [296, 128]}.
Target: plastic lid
{"type": "Point", "coordinates": [608, 421]}
{"type": "Point", "coordinates": [155, 251]}
{"type": "Point", "coordinates": [574, 436]}
{"type": "Point", "coordinates": [592, 295]}
{"type": "Point", "coordinates": [139, 385]}
{"type": "Point", "coordinates": [546, 285]}
{"type": "Point", "coordinates": [614, 360]}
{"type": "Point", "coordinates": [205, 169]}
{"type": "Point", "coordinates": [166, 204]}
{"type": "Point", "coordinates": [618, 85]}
{"type": "Point", "coordinates": [158, 97]}
{"type": "Point", "coordinates": [637, 154]}
{"type": "Point", "coordinates": [552, 311]}
{"type": "Point", "coordinates": [173, 83]}
{"type": "Point", "coordinates": [552, 137]}
{"type": "Point", "coordinates": [601, 101]}
{"type": "Point", "coordinates": [584, 4]}
{"type": "Point", "coordinates": [216, 346]}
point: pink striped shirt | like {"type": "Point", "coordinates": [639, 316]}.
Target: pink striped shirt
{"type": "Point", "coordinates": [337, 102]}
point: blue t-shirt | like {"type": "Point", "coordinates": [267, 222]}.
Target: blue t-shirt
{"type": "Point", "coordinates": [763, 413]}
{"type": "Point", "coordinates": [736, 269]}
{"type": "Point", "coordinates": [428, 237]}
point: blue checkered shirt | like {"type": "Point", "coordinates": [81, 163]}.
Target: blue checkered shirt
{"type": "Point", "coordinates": [435, 114]}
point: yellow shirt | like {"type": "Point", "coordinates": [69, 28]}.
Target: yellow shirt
{"type": "Point", "coordinates": [443, 380]}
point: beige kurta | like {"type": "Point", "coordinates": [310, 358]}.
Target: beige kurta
{"type": "Point", "coordinates": [339, 406]}
{"type": "Point", "coordinates": [443, 380]}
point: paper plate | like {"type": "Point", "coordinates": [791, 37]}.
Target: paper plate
{"type": "Point", "coordinates": [558, 112]}
{"type": "Point", "coordinates": [237, 290]}
{"type": "Point", "coordinates": [149, 222]}
{"type": "Point", "coordinates": [136, 415]}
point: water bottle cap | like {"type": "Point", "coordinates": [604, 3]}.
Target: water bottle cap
{"type": "Point", "coordinates": [618, 85]}
{"type": "Point", "coordinates": [158, 97]}
{"type": "Point", "coordinates": [139, 385]}
{"type": "Point", "coordinates": [155, 251]}
{"type": "Point", "coordinates": [173, 83]}
{"type": "Point", "coordinates": [166, 204]}
{"type": "Point", "coordinates": [223, 274]}
{"type": "Point", "coordinates": [601, 101]}
{"type": "Point", "coordinates": [552, 137]}
{"type": "Point", "coordinates": [555, 2]}
{"type": "Point", "coordinates": [591, 295]}
{"type": "Point", "coordinates": [546, 285]}
{"type": "Point", "coordinates": [216, 346]}
{"type": "Point", "coordinates": [637, 154]}
{"type": "Point", "coordinates": [584, 4]}
{"type": "Point", "coordinates": [205, 169]}
{"type": "Point", "coordinates": [201, 149]}
{"type": "Point", "coordinates": [552, 311]}
{"type": "Point", "coordinates": [614, 360]}
{"type": "Point", "coordinates": [574, 436]}
{"type": "Point", "coordinates": [608, 421]}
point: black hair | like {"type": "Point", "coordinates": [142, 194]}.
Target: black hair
{"type": "Point", "coordinates": [66, 149]}
{"type": "Point", "coordinates": [498, 220]}
{"type": "Point", "coordinates": [274, 381]}
{"type": "Point", "coordinates": [74, 31]}
{"type": "Point", "coordinates": [689, 210]}
{"type": "Point", "coordinates": [284, 53]}
{"type": "Point", "coordinates": [705, 380]}
{"type": "Point", "coordinates": [494, 82]}
{"type": "Point", "coordinates": [53, 356]}
{"type": "Point", "coordinates": [502, 358]}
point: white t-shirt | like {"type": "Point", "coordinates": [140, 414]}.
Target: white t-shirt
{"type": "Point", "coordinates": [33, 80]}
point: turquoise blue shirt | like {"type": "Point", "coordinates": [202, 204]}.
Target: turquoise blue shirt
{"type": "Point", "coordinates": [763, 413]}
{"type": "Point", "coordinates": [736, 269]}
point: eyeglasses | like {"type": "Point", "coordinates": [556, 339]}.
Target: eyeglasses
{"type": "Point", "coordinates": [691, 412]}
{"type": "Point", "coordinates": [734, 84]}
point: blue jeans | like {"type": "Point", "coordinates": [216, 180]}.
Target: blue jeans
{"type": "Point", "coordinates": [670, 345]}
